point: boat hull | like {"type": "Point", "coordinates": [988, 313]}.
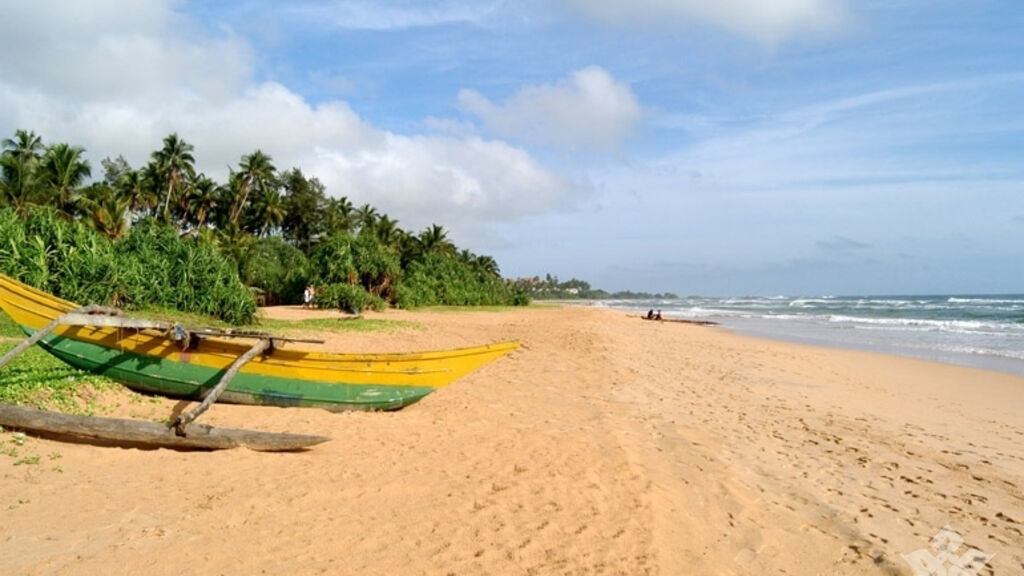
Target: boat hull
{"type": "Point", "coordinates": [149, 361]}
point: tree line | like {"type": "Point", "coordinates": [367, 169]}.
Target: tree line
{"type": "Point", "coordinates": [278, 230]}
{"type": "Point", "coordinates": [551, 288]}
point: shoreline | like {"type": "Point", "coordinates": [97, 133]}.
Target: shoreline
{"type": "Point", "coordinates": [809, 331]}
{"type": "Point", "coordinates": [602, 445]}
{"type": "Point", "coordinates": [1001, 364]}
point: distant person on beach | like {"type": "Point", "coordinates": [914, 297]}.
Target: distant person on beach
{"type": "Point", "coordinates": [650, 314]}
{"type": "Point", "coordinates": [658, 315]}
{"type": "Point", "coordinates": [307, 296]}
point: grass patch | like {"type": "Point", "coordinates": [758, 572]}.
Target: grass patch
{"type": "Point", "coordinates": [353, 324]}
{"type": "Point", "coordinates": [8, 329]}
{"type": "Point", "coordinates": [185, 319]}
{"type": "Point", "coordinates": [39, 380]}
{"type": "Point", "coordinates": [335, 325]}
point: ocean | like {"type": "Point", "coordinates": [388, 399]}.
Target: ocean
{"type": "Point", "coordinates": [985, 331]}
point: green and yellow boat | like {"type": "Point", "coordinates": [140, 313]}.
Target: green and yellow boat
{"type": "Point", "coordinates": [160, 360]}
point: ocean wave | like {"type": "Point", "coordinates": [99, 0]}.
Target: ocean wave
{"type": "Point", "coordinates": [929, 327]}
{"type": "Point", "coordinates": [985, 301]}
{"type": "Point", "coordinates": [959, 326]}
{"type": "Point", "coordinates": [808, 302]}
{"type": "Point", "coordinates": [983, 351]}
{"type": "Point", "coordinates": [699, 312]}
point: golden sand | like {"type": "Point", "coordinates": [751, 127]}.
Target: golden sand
{"type": "Point", "coordinates": [605, 445]}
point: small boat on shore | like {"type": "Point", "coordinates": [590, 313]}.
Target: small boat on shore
{"type": "Point", "coordinates": [253, 367]}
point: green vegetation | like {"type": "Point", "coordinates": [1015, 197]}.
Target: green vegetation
{"type": "Point", "coordinates": [39, 380]}
{"type": "Point", "coordinates": [149, 267]}
{"type": "Point", "coordinates": [167, 242]}
{"type": "Point", "coordinates": [166, 236]}
{"type": "Point", "coordinates": [550, 288]}
{"type": "Point", "coordinates": [335, 325]}
{"type": "Point", "coordinates": [8, 329]}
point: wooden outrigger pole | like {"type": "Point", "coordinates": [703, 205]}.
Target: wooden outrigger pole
{"type": "Point", "coordinates": [183, 432]}
{"type": "Point", "coordinates": [184, 419]}
{"type": "Point", "coordinates": [121, 431]}
{"type": "Point", "coordinates": [28, 342]}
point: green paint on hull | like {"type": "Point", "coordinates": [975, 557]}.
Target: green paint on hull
{"type": "Point", "coordinates": [178, 379]}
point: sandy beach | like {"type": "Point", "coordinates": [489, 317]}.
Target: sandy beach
{"type": "Point", "coordinates": [604, 445]}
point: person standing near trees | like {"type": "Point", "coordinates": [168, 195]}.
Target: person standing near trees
{"type": "Point", "coordinates": [307, 296]}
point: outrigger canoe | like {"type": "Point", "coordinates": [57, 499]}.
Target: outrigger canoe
{"type": "Point", "coordinates": [160, 361]}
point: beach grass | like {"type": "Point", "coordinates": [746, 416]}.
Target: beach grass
{"type": "Point", "coordinates": [37, 379]}
{"type": "Point", "coordinates": [352, 324]}
{"type": "Point", "coordinates": [8, 329]}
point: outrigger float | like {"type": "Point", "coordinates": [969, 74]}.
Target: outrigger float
{"type": "Point", "coordinates": [213, 364]}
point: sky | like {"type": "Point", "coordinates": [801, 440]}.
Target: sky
{"type": "Point", "coordinates": [711, 147]}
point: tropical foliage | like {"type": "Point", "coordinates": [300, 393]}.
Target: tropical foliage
{"type": "Point", "coordinates": [152, 267]}
{"type": "Point", "coordinates": [165, 234]}
{"type": "Point", "coordinates": [551, 288]}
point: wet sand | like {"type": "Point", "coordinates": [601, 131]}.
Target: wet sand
{"type": "Point", "coordinates": [605, 445]}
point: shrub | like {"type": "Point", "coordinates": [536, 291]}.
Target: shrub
{"type": "Point", "coordinates": [186, 274]}
{"type": "Point", "coordinates": [278, 270]}
{"type": "Point", "coordinates": [151, 267]}
{"type": "Point", "coordinates": [349, 297]}
{"type": "Point", "coordinates": [57, 255]}
{"type": "Point", "coordinates": [331, 261]}
{"type": "Point", "coordinates": [440, 279]}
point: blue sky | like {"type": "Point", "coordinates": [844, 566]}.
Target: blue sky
{"type": "Point", "coordinates": [722, 147]}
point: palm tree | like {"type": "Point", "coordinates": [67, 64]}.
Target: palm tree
{"type": "Point", "coordinates": [366, 217]}
{"type": "Point", "coordinates": [62, 171]}
{"type": "Point", "coordinates": [136, 186]}
{"type": "Point", "coordinates": [267, 211]}
{"type": "Point", "coordinates": [487, 266]}
{"type": "Point", "coordinates": [233, 242]}
{"type": "Point", "coordinates": [25, 146]}
{"type": "Point", "coordinates": [481, 265]}
{"type": "Point", "coordinates": [173, 165]}
{"type": "Point", "coordinates": [435, 240]}
{"type": "Point", "coordinates": [108, 213]}
{"type": "Point", "coordinates": [18, 162]}
{"type": "Point", "coordinates": [387, 232]}
{"type": "Point", "coordinates": [9, 181]}
{"type": "Point", "coordinates": [256, 174]}
{"type": "Point", "coordinates": [338, 216]}
{"type": "Point", "coordinates": [202, 200]}
{"type": "Point", "coordinates": [408, 248]}
{"type": "Point", "coordinates": [228, 195]}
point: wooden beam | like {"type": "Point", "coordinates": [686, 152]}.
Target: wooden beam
{"type": "Point", "coordinates": [79, 319]}
{"type": "Point", "coordinates": [24, 345]}
{"type": "Point", "coordinates": [184, 419]}
{"type": "Point", "coordinates": [151, 434]}
{"type": "Point", "coordinates": [254, 334]}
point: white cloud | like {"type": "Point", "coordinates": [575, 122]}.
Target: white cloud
{"type": "Point", "coordinates": [117, 51]}
{"type": "Point", "coordinates": [453, 182]}
{"type": "Point", "coordinates": [587, 110]}
{"type": "Point", "coordinates": [122, 78]}
{"type": "Point", "coordinates": [766, 21]}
